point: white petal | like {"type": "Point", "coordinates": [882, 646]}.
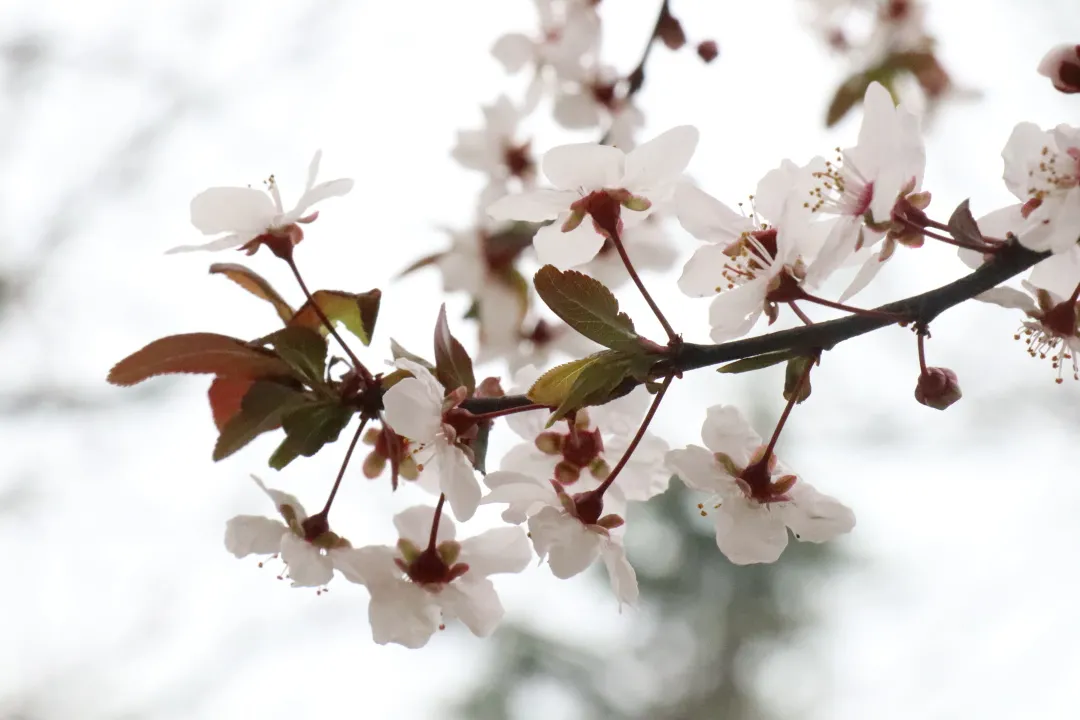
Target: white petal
{"type": "Point", "coordinates": [232, 210]}
{"type": "Point", "coordinates": [313, 170]}
{"type": "Point", "coordinates": [372, 565]}
{"type": "Point", "coordinates": [698, 469]}
{"type": "Point", "coordinates": [706, 218]}
{"type": "Point", "coordinates": [457, 478]}
{"type": "Point", "coordinates": [473, 601]}
{"type": "Point", "coordinates": [1065, 231]}
{"type": "Point", "coordinates": [1022, 146]}
{"type": "Point", "coordinates": [662, 160]}
{"type": "Point", "coordinates": [307, 566]}
{"type": "Point", "coordinates": [411, 411]}
{"type": "Point", "coordinates": [702, 274]}
{"type": "Point", "coordinates": [227, 242]}
{"type": "Point", "coordinates": [576, 111]}
{"type": "Point", "coordinates": [532, 206]}
{"type": "Point", "coordinates": [866, 274]}
{"type": "Point", "coordinates": [645, 475]}
{"type": "Point", "coordinates": [734, 312]}
{"type": "Point", "coordinates": [621, 573]}
{"type": "Point", "coordinates": [815, 517]}
{"type": "Point", "coordinates": [322, 191]}
{"type": "Point", "coordinates": [1008, 297]}
{"type": "Point", "coordinates": [839, 245]}
{"type": "Point", "coordinates": [523, 494]}
{"type": "Point", "coordinates": [748, 533]}
{"type": "Point", "coordinates": [567, 544]}
{"type": "Point", "coordinates": [584, 165]}
{"type": "Point", "coordinates": [622, 416]}
{"type": "Point", "coordinates": [247, 534]}
{"type": "Point", "coordinates": [564, 250]}
{"type": "Point", "coordinates": [727, 431]}
{"type": "Point", "coordinates": [501, 550]}
{"type": "Point", "coordinates": [281, 499]}
{"type": "Point", "coordinates": [527, 459]}
{"type": "Point", "coordinates": [513, 50]}
{"type": "Point", "coordinates": [1059, 273]}
{"type": "Point", "coordinates": [406, 614]}
{"type": "Point", "coordinates": [414, 524]}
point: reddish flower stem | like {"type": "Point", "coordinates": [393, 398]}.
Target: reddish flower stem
{"type": "Point", "coordinates": [978, 247]}
{"type": "Point", "coordinates": [508, 411]}
{"type": "Point", "coordinates": [364, 373]}
{"type": "Point", "coordinates": [599, 492]}
{"type": "Point", "coordinates": [922, 349]}
{"type": "Point", "coordinates": [435, 522]}
{"type": "Point", "coordinates": [792, 401]}
{"type": "Point", "coordinates": [673, 338]}
{"type": "Point", "coordinates": [847, 308]}
{"type": "Point", "coordinates": [800, 314]}
{"type": "Point", "coordinates": [344, 464]}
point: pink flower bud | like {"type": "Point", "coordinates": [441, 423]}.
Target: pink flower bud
{"type": "Point", "coordinates": [1062, 66]}
{"type": "Point", "coordinates": [708, 50]}
{"type": "Point", "coordinates": [938, 388]}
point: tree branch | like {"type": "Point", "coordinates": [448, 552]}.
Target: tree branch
{"type": "Point", "coordinates": [1008, 262]}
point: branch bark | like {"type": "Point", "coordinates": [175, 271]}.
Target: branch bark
{"type": "Point", "coordinates": [1009, 262]}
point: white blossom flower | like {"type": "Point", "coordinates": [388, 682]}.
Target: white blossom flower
{"type": "Point", "coordinates": [421, 583]}
{"type": "Point", "coordinates": [1062, 65]}
{"type": "Point", "coordinates": [861, 188]}
{"type": "Point", "coordinates": [244, 214]}
{"type": "Point", "coordinates": [598, 181]}
{"type": "Point", "coordinates": [567, 32]}
{"type": "Point", "coordinates": [571, 532]}
{"type": "Point", "coordinates": [754, 502]}
{"type": "Point", "coordinates": [496, 150]}
{"type": "Point", "coordinates": [1053, 325]}
{"type": "Point", "coordinates": [1042, 169]}
{"type": "Point", "coordinates": [309, 549]}
{"type": "Point", "coordinates": [594, 94]}
{"type": "Point", "coordinates": [416, 408]}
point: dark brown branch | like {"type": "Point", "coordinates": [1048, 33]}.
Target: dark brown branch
{"type": "Point", "coordinates": [920, 309]}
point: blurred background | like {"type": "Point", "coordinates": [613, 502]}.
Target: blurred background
{"type": "Point", "coordinates": [954, 597]}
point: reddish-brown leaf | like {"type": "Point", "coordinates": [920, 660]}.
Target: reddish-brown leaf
{"type": "Point", "coordinates": [255, 284]}
{"type": "Point", "coordinates": [225, 394]}
{"type": "Point", "coordinates": [198, 353]}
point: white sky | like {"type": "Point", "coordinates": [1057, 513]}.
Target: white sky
{"type": "Point", "coordinates": [118, 595]}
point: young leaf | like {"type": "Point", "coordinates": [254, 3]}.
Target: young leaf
{"type": "Point", "coordinates": [795, 368]}
{"type": "Point", "coordinates": [356, 311]}
{"type": "Point", "coordinates": [198, 353]}
{"type": "Point", "coordinates": [399, 352]}
{"type": "Point", "coordinates": [453, 366]}
{"type": "Point", "coordinates": [586, 305]}
{"type": "Point", "coordinates": [480, 447]}
{"type": "Point", "coordinates": [588, 381]}
{"type": "Point", "coordinates": [756, 362]}
{"type": "Point", "coordinates": [962, 225]}
{"type": "Point", "coordinates": [307, 429]}
{"type": "Point", "coordinates": [225, 395]}
{"type": "Point", "coordinates": [256, 285]}
{"type": "Point", "coordinates": [303, 349]}
{"type": "Point", "coordinates": [261, 410]}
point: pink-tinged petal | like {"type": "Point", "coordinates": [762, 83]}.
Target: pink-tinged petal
{"type": "Point", "coordinates": [414, 525]}
{"type": "Point", "coordinates": [706, 218]}
{"type": "Point", "coordinates": [1008, 297]}
{"type": "Point", "coordinates": [1060, 273]}
{"type": "Point", "coordinates": [576, 111]}
{"type": "Point", "coordinates": [405, 614]}
{"type": "Point", "coordinates": [411, 411]}
{"type": "Point", "coordinates": [583, 165]}
{"type": "Point", "coordinates": [620, 573]}
{"type": "Point", "coordinates": [567, 544]}
{"type": "Point", "coordinates": [727, 431]}
{"type": "Point", "coordinates": [232, 210]}
{"type": "Point", "coordinates": [308, 567]}
{"type": "Point", "coordinates": [701, 276]}
{"type": "Point", "coordinates": [532, 206]}
{"type": "Point", "coordinates": [501, 550]}
{"type": "Point", "coordinates": [457, 478]}
{"type": "Point", "coordinates": [474, 602]}
{"type": "Point", "coordinates": [564, 250]}
{"type": "Point", "coordinates": [866, 274]}
{"type": "Point", "coordinates": [248, 534]}
{"type": "Point", "coordinates": [514, 51]}
{"type": "Point", "coordinates": [816, 517]}
{"type": "Point", "coordinates": [660, 161]}
{"type": "Point", "coordinates": [734, 312]}
{"type": "Point", "coordinates": [698, 469]}
{"type": "Point", "coordinates": [748, 533]}
{"type": "Point", "coordinates": [372, 566]}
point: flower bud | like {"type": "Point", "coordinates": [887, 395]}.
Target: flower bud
{"type": "Point", "coordinates": [938, 388]}
{"type": "Point", "coordinates": [1062, 66]}
{"type": "Point", "coordinates": [670, 31]}
{"type": "Point", "coordinates": [708, 50]}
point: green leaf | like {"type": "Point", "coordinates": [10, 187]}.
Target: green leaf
{"type": "Point", "coordinates": [453, 366]}
{"type": "Point", "coordinates": [261, 410]}
{"type": "Point", "coordinates": [962, 225]}
{"type": "Point", "coordinates": [757, 362]}
{"type": "Point", "coordinates": [399, 352]}
{"type": "Point", "coordinates": [795, 368]}
{"type": "Point", "coordinates": [480, 446]}
{"type": "Point", "coordinates": [197, 353]}
{"type": "Point", "coordinates": [586, 305]}
{"type": "Point", "coordinates": [588, 381]}
{"type": "Point", "coordinates": [308, 428]}
{"type": "Point", "coordinates": [356, 311]}
{"type": "Point", "coordinates": [256, 285]}
{"type": "Point", "coordinates": [303, 349]}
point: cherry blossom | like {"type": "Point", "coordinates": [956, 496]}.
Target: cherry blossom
{"type": "Point", "coordinates": [755, 500]}
{"type": "Point", "coordinates": [496, 150]}
{"type": "Point", "coordinates": [598, 181]}
{"type": "Point", "coordinates": [571, 532]}
{"type": "Point", "coordinates": [1042, 169]}
{"type": "Point", "coordinates": [430, 577]}
{"type": "Point", "coordinates": [305, 544]}
{"type": "Point", "coordinates": [417, 410]}
{"type": "Point", "coordinates": [598, 93]}
{"type": "Point", "coordinates": [568, 31]}
{"type": "Point", "coordinates": [860, 189]}
{"type": "Point", "coordinates": [1062, 65]}
{"type": "Point", "coordinates": [244, 214]}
